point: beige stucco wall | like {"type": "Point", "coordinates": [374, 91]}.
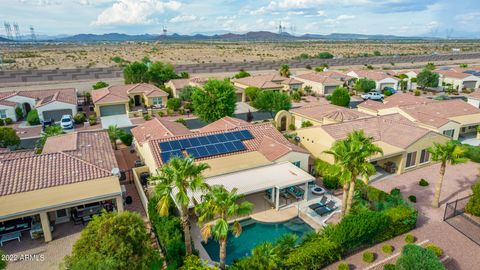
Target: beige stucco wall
{"type": "Point", "coordinates": [294, 157]}
{"type": "Point", "coordinates": [145, 153]}
{"type": "Point", "coordinates": [316, 140]}
{"type": "Point", "coordinates": [149, 101]}
{"type": "Point", "coordinates": [316, 86]}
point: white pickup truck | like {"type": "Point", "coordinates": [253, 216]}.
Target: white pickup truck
{"type": "Point", "coordinates": [372, 95]}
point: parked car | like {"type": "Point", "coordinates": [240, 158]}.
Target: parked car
{"type": "Point", "coordinates": [372, 95]}
{"type": "Point", "coordinates": [66, 122]}
{"type": "Point", "coordinates": [47, 123]}
{"type": "Point", "coordinates": [390, 89]}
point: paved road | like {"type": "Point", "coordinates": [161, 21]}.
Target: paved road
{"type": "Point", "coordinates": [25, 76]}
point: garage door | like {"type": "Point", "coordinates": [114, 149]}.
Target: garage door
{"type": "Point", "coordinates": [383, 85]}
{"type": "Point", "coordinates": [469, 84]}
{"type": "Point", "coordinates": [329, 89]}
{"type": "Point", "coordinates": [56, 115]}
{"type": "Point", "coordinates": [112, 110]}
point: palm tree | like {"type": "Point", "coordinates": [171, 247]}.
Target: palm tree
{"type": "Point", "coordinates": [284, 70]}
{"type": "Point", "coordinates": [179, 175]}
{"type": "Point", "coordinates": [113, 133]}
{"type": "Point", "coordinates": [450, 152]}
{"type": "Point", "coordinates": [217, 207]}
{"type": "Point", "coordinates": [351, 156]}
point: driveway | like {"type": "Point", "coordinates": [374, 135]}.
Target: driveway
{"type": "Point", "coordinates": [243, 107]}
{"type": "Point", "coordinates": [118, 120]}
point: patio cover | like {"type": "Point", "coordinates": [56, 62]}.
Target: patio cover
{"type": "Point", "coordinates": [278, 175]}
{"type": "Point", "coordinates": [388, 151]}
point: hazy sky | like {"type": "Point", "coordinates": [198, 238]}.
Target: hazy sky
{"type": "Point", "coordinates": [399, 17]}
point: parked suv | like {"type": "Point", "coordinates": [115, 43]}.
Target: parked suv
{"type": "Point", "coordinates": [66, 122]}
{"type": "Point", "coordinates": [372, 95]}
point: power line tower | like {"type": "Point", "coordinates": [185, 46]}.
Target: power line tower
{"type": "Point", "coordinates": [280, 28]}
{"type": "Point", "coordinates": [32, 34]}
{"type": "Point", "coordinates": [448, 33]}
{"type": "Point", "coordinates": [8, 30]}
{"type": "Point", "coordinates": [16, 29]}
{"type": "Point", "coordinates": [165, 31]}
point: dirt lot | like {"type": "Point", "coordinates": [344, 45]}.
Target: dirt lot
{"type": "Point", "coordinates": [65, 56]}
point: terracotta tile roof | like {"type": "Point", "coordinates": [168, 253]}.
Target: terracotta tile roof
{"type": "Point", "coordinates": [181, 83]}
{"type": "Point", "coordinates": [452, 74]}
{"type": "Point", "coordinates": [43, 97]}
{"type": "Point", "coordinates": [291, 81]}
{"type": "Point", "coordinates": [373, 75]}
{"type": "Point", "coordinates": [91, 159]}
{"type": "Point", "coordinates": [396, 100]}
{"type": "Point", "coordinates": [119, 93]}
{"type": "Point", "coordinates": [393, 129]}
{"type": "Point", "coordinates": [225, 123]}
{"type": "Point", "coordinates": [319, 111]}
{"type": "Point", "coordinates": [475, 94]}
{"type": "Point", "coordinates": [60, 143]}
{"type": "Point", "coordinates": [262, 81]}
{"type": "Point", "coordinates": [8, 103]}
{"type": "Point", "coordinates": [326, 78]}
{"type": "Point", "coordinates": [273, 149]}
{"type": "Point", "coordinates": [158, 129]}
{"type": "Point", "coordinates": [259, 131]}
{"type": "Point", "coordinates": [7, 154]}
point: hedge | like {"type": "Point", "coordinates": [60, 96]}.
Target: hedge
{"type": "Point", "coordinates": [313, 254]}
{"type": "Point", "coordinates": [418, 258]}
{"type": "Point", "coordinates": [473, 205]}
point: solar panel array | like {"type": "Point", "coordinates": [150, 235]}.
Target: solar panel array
{"type": "Point", "coordinates": [205, 146]}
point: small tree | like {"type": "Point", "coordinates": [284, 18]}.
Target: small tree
{"type": "Point", "coordinates": [284, 70]}
{"type": "Point", "coordinates": [241, 74]}
{"type": "Point", "coordinates": [99, 85]}
{"type": "Point", "coordinates": [217, 99]}
{"type": "Point", "coordinates": [364, 85]}
{"type": "Point", "coordinates": [160, 73]}
{"type": "Point", "coordinates": [19, 112]}
{"type": "Point", "coordinates": [325, 55]}
{"type": "Point", "coordinates": [272, 101]}
{"type": "Point", "coordinates": [8, 137]}
{"type": "Point", "coordinates": [430, 66]}
{"type": "Point", "coordinates": [184, 75]}
{"type": "Point", "coordinates": [113, 241]}
{"type": "Point", "coordinates": [415, 257]}
{"type": "Point", "coordinates": [251, 92]}
{"type": "Point", "coordinates": [32, 117]}
{"type": "Point", "coordinates": [340, 97]}
{"type": "Point", "coordinates": [113, 134]}
{"type": "Point", "coordinates": [186, 93]}
{"type": "Point", "coordinates": [427, 78]}
{"type": "Point", "coordinates": [174, 104]}
{"type": "Point", "coordinates": [135, 72]}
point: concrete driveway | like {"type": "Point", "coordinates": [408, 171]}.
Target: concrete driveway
{"type": "Point", "coordinates": [118, 120]}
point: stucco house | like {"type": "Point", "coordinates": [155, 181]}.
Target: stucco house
{"type": "Point", "coordinates": [177, 85]}
{"type": "Point", "coordinates": [324, 83]}
{"type": "Point", "coordinates": [453, 118]}
{"type": "Point", "coordinates": [404, 144]}
{"type": "Point", "coordinates": [266, 82]}
{"type": "Point", "coordinates": [474, 98]}
{"type": "Point", "coordinates": [50, 103]}
{"type": "Point", "coordinates": [458, 79]}
{"type": "Point", "coordinates": [121, 99]}
{"type": "Point", "coordinates": [74, 177]}
{"type": "Point", "coordinates": [382, 79]}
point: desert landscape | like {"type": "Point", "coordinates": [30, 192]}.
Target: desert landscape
{"type": "Point", "coordinates": [83, 55]}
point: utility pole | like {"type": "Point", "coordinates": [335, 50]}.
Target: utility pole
{"type": "Point", "coordinates": [16, 29]}
{"type": "Point", "coordinates": [8, 30]}
{"type": "Point", "coordinates": [32, 34]}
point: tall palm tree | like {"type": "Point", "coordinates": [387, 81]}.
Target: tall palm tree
{"type": "Point", "coordinates": [179, 175]}
{"type": "Point", "coordinates": [284, 70]}
{"type": "Point", "coordinates": [451, 152]}
{"type": "Point", "coordinates": [113, 134]}
{"type": "Point", "coordinates": [217, 207]}
{"type": "Point", "coordinates": [351, 156]}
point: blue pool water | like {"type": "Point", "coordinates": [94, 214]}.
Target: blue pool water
{"type": "Point", "coordinates": [254, 233]}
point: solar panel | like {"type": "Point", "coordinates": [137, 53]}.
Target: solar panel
{"type": "Point", "coordinates": [212, 150]}
{"type": "Point", "coordinates": [194, 142]}
{"type": "Point", "coordinates": [175, 145]}
{"type": "Point", "coordinates": [229, 136]}
{"type": "Point", "coordinates": [165, 146]}
{"type": "Point", "coordinates": [247, 135]}
{"type": "Point", "coordinates": [213, 139]}
{"type": "Point", "coordinates": [221, 148]}
{"type": "Point", "coordinates": [239, 146]}
{"type": "Point", "coordinates": [166, 156]}
{"type": "Point", "coordinates": [185, 143]}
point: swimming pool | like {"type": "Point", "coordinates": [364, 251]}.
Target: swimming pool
{"type": "Point", "coordinates": [254, 233]}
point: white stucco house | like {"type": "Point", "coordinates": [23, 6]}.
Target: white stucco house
{"type": "Point", "coordinates": [50, 103]}
{"type": "Point", "coordinates": [459, 80]}
{"type": "Point", "coordinates": [382, 79]}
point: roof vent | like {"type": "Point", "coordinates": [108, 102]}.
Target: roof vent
{"type": "Point", "coordinates": [116, 172]}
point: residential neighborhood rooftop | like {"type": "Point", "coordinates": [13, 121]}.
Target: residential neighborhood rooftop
{"type": "Point", "coordinates": [119, 93]}
{"type": "Point", "coordinates": [321, 110]}
{"type": "Point", "coordinates": [267, 81]}
{"type": "Point", "coordinates": [157, 128]}
{"type": "Point", "coordinates": [43, 97]}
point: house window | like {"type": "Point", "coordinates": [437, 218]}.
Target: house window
{"type": "Point", "coordinates": [449, 132]}
{"type": "Point", "coordinates": [424, 156]}
{"type": "Point", "coordinates": [296, 163]}
{"type": "Point", "coordinates": [3, 114]}
{"type": "Point", "coordinates": [411, 158]}
{"type": "Point", "coordinates": [157, 101]}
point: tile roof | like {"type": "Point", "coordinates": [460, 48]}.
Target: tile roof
{"type": "Point", "coordinates": [119, 93]}
{"type": "Point", "coordinates": [224, 123]}
{"type": "Point", "coordinates": [319, 111]}
{"type": "Point", "coordinates": [92, 158]}
{"type": "Point", "coordinates": [326, 78]}
{"type": "Point", "coordinates": [259, 132]}
{"type": "Point", "coordinates": [396, 100]}
{"type": "Point", "coordinates": [475, 94]}
{"type": "Point", "coordinates": [264, 81]}
{"type": "Point", "coordinates": [452, 74]}
{"type": "Point", "coordinates": [373, 75]}
{"type": "Point", "coordinates": [43, 97]}
{"type": "Point", "coordinates": [158, 128]}
{"type": "Point", "coordinates": [181, 83]}
{"type": "Point", "coordinates": [391, 129]}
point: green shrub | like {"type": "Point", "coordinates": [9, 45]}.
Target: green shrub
{"type": "Point", "coordinates": [125, 137]}
{"type": "Point", "coordinates": [331, 182]}
{"type": "Point", "coordinates": [2, 122]}
{"type": "Point", "coordinates": [19, 112]}
{"type": "Point", "coordinates": [402, 218]}
{"type": "Point", "coordinates": [340, 97]}
{"type": "Point", "coordinates": [387, 93]}
{"type": "Point", "coordinates": [409, 239]}
{"type": "Point", "coordinates": [395, 191]}
{"type": "Point", "coordinates": [181, 121]}
{"type": "Point", "coordinates": [343, 266]}
{"type": "Point", "coordinates": [473, 205]}
{"type": "Point", "coordinates": [8, 121]}
{"type": "Point", "coordinates": [99, 85]}
{"type": "Point", "coordinates": [291, 127]}
{"type": "Point", "coordinates": [92, 120]}
{"type": "Point", "coordinates": [389, 266]}
{"type": "Point", "coordinates": [313, 254]}
{"type": "Point", "coordinates": [417, 93]}
{"type": "Point", "coordinates": [387, 249]}
{"type": "Point", "coordinates": [368, 256]}
{"type": "Point", "coordinates": [418, 258]}
{"type": "Point", "coordinates": [423, 183]}
{"type": "Point", "coordinates": [174, 104]}
{"type": "Point", "coordinates": [3, 263]}
{"type": "Point", "coordinates": [306, 124]}
{"type": "Point", "coordinates": [252, 92]}
{"type": "Point", "coordinates": [296, 96]}
{"type": "Point", "coordinates": [32, 117]}
{"type": "Point", "coordinates": [147, 117]}
{"type": "Point", "coordinates": [161, 113]}
{"type": "Point", "coordinates": [436, 249]}
{"type": "Point", "coordinates": [79, 118]}
{"type": "Point", "coordinates": [412, 198]}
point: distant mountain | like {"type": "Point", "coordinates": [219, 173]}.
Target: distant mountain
{"type": "Point", "coordinates": [115, 37]}
{"type": "Point", "coordinates": [2, 39]}
{"type": "Point", "coordinates": [349, 36]}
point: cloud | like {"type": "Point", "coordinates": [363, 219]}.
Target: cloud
{"type": "Point", "coordinates": [135, 12]}
{"type": "Point", "coordinates": [42, 3]}
{"type": "Point", "coordinates": [338, 19]}
{"type": "Point", "coordinates": [183, 18]}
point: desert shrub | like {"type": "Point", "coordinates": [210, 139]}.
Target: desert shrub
{"type": "Point", "coordinates": [291, 127]}
{"type": "Point", "coordinates": [389, 266]}
{"type": "Point", "coordinates": [325, 55]}
{"type": "Point", "coordinates": [313, 254]}
{"type": "Point", "coordinates": [147, 117]}
{"type": "Point", "coordinates": [412, 198]}
{"type": "Point", "coordinates": [32, 117]}
{"type": "Point", "coordinates": [473, 205]}
{"type": "Point", "coordinates": [99, 85]}
{"type": "Point", "coordinates": [174, 104]}
{"type": "Point", "coordinates": [368, 256]}
{"type": "Point", "coordinates": [125, 137]}
{"type": "Point", "coordinates": [423, 183]}
{"type": "Point", "coordinates": [343, 266]}
{"type": "Point", "coordinates": [436, 249]}
{"type": "Point", "coordinates": [181, 121]}
{"type": "Point", "coordinates": [307, 124]}
{"type": "Point", "coordinates": [8, 121]}
{"type": "Point", "coordinates": [409, 239]}
{"type": "Point", "coordinates": [417, 93]}
{"type": "Point", "coordinates": [387, 248]}
{"type": "Point", "coordinates": [161, 113]}
{"type": "Point", "coordinates": [296, 96]}
{"type": "Point", "coordinates": [92, 120]}
{"type": "Point", "coordinates": [79, 118]}
{"type": "Point", "coordinates": [418, 258]}
{"type": "Point", "coordinates": [395, 191]}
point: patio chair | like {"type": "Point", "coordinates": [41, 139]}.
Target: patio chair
{"type": "Point", "coordinates": [321, 203]}
{"type": "Point", "coordinates": [328, 208]}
